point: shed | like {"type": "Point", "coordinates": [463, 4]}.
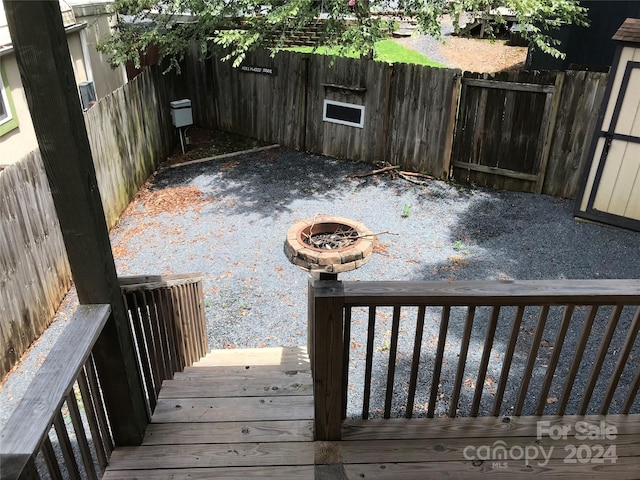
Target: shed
{"type": "Point", "coordinates": [610, 190]}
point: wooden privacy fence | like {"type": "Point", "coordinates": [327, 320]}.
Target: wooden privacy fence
{"type": "Point", "coordinates": [130, 132]}
{"type": "Point", "coordinates": [516, 130]}
{"type": "Point", "coordinates": [62, 427]}
{"type": "Point", "coordinates": [517, 348]}
{"type": "Point", "coordinates": [34, 271]}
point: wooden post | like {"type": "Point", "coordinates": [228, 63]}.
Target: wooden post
{"type": "Point", "coordinates": [550, 130]}
{"type": "Point", "coordinates": [42, 53]}
{"type": "Point", "coordinates": [328, 317]}
{"type": "Point", "coordinates": [451, 127]}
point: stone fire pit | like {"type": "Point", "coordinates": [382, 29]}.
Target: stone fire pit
{"type": "Point", "coordinates": [326, 244]}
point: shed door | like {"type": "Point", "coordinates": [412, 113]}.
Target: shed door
{"type": "Point", "coordinates": [612, 189]}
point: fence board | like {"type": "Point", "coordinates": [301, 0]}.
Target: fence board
{"type": "Point", "coordinates": [257, 105]}
{"type": "Point", "coordinates": [34, 271]}
{"type": "Point", "coordinates": [502, 127]}
{"type": "Point", "coordinates": [580, 101]}
{"type": "Point", "coordinates": [422, 102]}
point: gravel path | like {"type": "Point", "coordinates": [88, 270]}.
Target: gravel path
{"type": "Point", "coordinates": [254, 297]}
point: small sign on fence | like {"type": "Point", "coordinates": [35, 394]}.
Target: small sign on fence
{"type": "Point", "coordinates": [256, 69]}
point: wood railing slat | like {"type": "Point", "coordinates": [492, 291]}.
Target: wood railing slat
{"type": "Point", "coordinates": [131, 304]}
{"type": "Point", "coordinates": [100, 407]}
{"type": "Point", "coordinates": [621, 363]}
{"type": "Point", "coordinates": [346, 355]}
{"type": "Point", "coordinates": [391, 369]}
{"type": "Point", "coordinates": [577, 359]}
{"type": "Point", "coordinates": [462, 360]}
{"type": "Point", "coordinates": [184, 321]}
{"type": "Point", "coordinates": [190, 299]}
{"type": "Point", "coordinates": [633, 391]}
{"type": "Point", "coordinates": [508, 357]}
{"type": "Point", "coordinates": [166, 333]}
{"type": "Point", "coordinates": [442, 341]}
{"type": "Point", "coordinates": [150, 342]}
{"type": "Point", "coordinates": [92, 419]}
{"type": "Point", "coordinates": [166, 314]}
{"type": "Point", "coordinates": [203, 324]}
{"type": "Point", "coordinates": [159, 335]}
{"type": "Point", "coordinates": [197, 301]}
{"type": "Point", "coordinates": [415, 361]}
{"type": "Point", "coordinates": [182, 332]}
{"type": "Point", "coordinates": [81, 437]}
{"type": "Point", "coordinates": [173, 316]}
{"type": "Point", "coordinates": [555, 356]}
{"type": "Point", "coordinates": [66, 448]}
{"type": "Point", "coordinates": [600, 357]}
{"type": "Point", "coordinates": [50, 459]}
{"type": "Point", "coordinates": [531, 359]}
{"type": "Point", "coordinates": [484, 361]}
{"type": "Point", "coordinates": [371, 330]}
{"type": "Point", "coordinates": [188, 320]}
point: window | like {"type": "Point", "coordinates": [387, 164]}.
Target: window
{"type": "Point", "coordinates": [343, 113]}
{"type": "Point", "coordinates": [8, 118]}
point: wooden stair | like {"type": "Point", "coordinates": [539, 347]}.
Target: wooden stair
{"type": "Point", "coordinates": [245, 413]}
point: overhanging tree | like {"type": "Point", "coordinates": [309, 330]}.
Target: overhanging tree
{"type": "Point", "coordinates": [238, 26]}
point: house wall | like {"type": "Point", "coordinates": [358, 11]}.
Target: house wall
{"type": "Point", "coordinates": [20, 141]}
{"type": "Point", "coordinates": [105, 78]}
{"type": "Point", "coordinates": [77, 58]}
{"type": "Point", "coordinates": [17, 143]}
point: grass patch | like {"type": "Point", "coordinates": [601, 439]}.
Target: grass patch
{"type": "Point", "coordinates": [385, 51]}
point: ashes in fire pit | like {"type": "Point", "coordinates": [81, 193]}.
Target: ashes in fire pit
{"type": "Point", "coordinates": [342, 237]}
{"type": "Point", "coordinates": [329, 244]}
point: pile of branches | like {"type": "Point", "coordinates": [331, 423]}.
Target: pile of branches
{"type": "Point", "coordinates": [395, 172]}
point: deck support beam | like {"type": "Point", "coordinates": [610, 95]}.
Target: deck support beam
{"type": "Point", "coordinates": [42, 53]}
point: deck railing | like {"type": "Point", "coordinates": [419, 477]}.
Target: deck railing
{"type": "Point", "coordinates": [473, 349]}
{"type": "Point", "coordinates": [62, 426]}
{"type": "Point", "coordinates": [168, 323]}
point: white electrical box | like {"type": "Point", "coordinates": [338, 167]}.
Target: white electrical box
{"type": "Point", "coordinates": [181, 115]}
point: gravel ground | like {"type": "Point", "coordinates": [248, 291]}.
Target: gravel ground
{"type": "Point", "coordinates": [254, 297]}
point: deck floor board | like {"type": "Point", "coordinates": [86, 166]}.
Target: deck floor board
{"type": "Point", "coordinates": [240, 415]}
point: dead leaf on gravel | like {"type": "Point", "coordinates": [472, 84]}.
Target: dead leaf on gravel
{"type": "Point", "coordinates": [154, 202]}
{"type": "Point", "coordinates": [379, 247]}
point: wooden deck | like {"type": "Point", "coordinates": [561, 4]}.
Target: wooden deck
{"type": "Point", "coordinates": [249, 414]}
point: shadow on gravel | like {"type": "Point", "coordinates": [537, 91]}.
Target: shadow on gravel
{"type": "Point", "coordinates": [266, 183]}
{"type": "Point", "coordinates": [509, 235]}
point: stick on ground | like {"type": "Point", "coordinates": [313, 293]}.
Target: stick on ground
{"type": "Point", "coordinates": [375, 172]}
